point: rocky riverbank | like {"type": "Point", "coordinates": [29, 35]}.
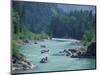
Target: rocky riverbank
{"type": "Point", "coordinates": [82, 52]}
{"type": "Point", "coordinates": [21, 63]}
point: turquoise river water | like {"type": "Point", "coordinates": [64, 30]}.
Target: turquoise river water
{"type": "Point", "coordinates": [55, 63]}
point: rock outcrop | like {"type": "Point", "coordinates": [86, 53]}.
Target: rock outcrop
{"type": "Point", "coordinates": [21, 63]}
{"type": "Point", "coordinates": [44, 60]}
{"type": "Point", "coordinates": [83, 52]}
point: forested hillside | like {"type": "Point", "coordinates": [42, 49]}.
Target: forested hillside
{"type": "Point", "coordinates": [55, 22]}
{"type": "Point", "coordinates": [35, 16]}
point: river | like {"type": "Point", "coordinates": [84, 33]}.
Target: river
{"type": "Point", "coordinates": [55, 63]}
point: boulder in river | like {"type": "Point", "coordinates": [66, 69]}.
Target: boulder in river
{"type": "Point", "coordinates": [77, 52]}
{"type": "Point", "coordinates": [44, 60]}
{"type": "Point", "coordinates": [45, 51]}
{"type": "Point", "coordinates": [65, 52]}
{"type": "Point", "coordinates": [35, 42]}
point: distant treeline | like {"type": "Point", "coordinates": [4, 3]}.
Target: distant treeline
{"type": "Point", "coordinates": [73, 25]}
{"type": "Point", "coordinates": [48, 18]}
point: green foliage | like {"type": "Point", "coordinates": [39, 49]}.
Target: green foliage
{"type": "Point", "coordinates": [73, 24]}
{"type": "Point", "coordinates": [20, 32]}
{"type": "Point", "coordinates": [88, 37]}
{"type": "Point", "coordinates": [54, 21]}
{"type": "Point", "coordinates": [37, 36]}
{"type": "Point", "coordinates": [15, 48]}
{"type": "Point", "coordinates": [15, 32]}
{"type": "Point", "coordinates": [15, 22]}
